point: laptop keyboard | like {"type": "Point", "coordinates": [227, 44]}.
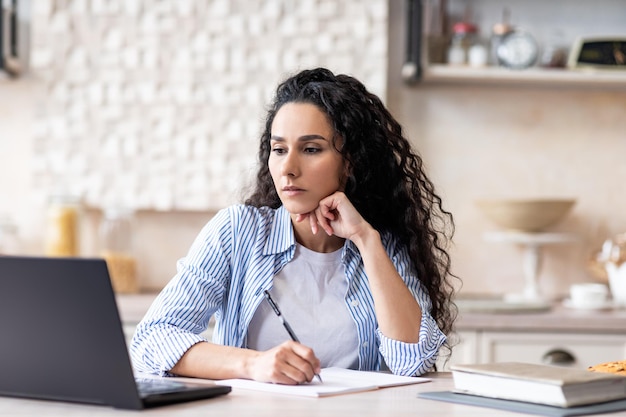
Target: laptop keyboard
{"type": "Point", "coordinates": [148, 386]}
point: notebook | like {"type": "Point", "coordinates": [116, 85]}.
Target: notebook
{"type": "Point", "coordinates": [336, 381]}
{"type": "Point", "coordinates": [61, 338]}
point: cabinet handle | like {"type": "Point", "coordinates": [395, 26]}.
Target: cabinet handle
{"type": "Point", "coordinates": [559, 357]}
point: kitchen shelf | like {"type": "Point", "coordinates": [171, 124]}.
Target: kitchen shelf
{"type": "Point", "coordinates": [562, 22]}
{"type": "Point", "coordinates": [435, 73]}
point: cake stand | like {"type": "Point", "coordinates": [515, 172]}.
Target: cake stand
{"type": "Point", "coordinates": [532, 244]}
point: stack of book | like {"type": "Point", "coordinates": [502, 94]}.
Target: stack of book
{"type": "Point", "coordinates": [543, 384]}
{"type": "Point", "coordinates": [535, 389]}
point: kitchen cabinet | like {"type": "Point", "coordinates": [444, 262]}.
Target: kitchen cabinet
{"type": "Point", "coordinates": [578, 350]}
{"type": "Point", "coordinates": [465, 350]}
{"type": "Point", "coordinates": [554, 23]}
{"type": "Point", "coordinates": [560, 336]}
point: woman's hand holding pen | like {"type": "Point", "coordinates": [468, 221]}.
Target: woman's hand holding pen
{"type": "Point", "coordinates": [289, 363]}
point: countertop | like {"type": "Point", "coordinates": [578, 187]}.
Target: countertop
{"type": "Point", "coordinates": [557, 318]}
{"type": "Point", "coordinates": [396, 401]}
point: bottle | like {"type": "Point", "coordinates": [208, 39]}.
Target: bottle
{"type": "Point", "coordinates": [463, 37]}
{"type": "Point", "coordinates": [9, 241]}
{"type": "Point", "coordinates": [116, 247]}
{"type": "Point", "coordinates": [62, 226]}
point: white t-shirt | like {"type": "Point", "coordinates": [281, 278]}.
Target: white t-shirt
{"type": "Point", "coordinates": [310, 292]}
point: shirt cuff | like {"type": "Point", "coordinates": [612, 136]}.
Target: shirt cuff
{"type": "Point", "coordinates": [413, 359]}
{"type": "Point", "coordinates": [163, 352]}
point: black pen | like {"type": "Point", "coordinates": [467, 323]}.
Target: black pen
{"type": "Point", "coordinates": [282, 319]}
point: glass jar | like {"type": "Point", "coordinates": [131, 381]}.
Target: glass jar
{"type": "Point", "coordinates": [463, 37]}
{"type": "Point", "coordinates": [477, 55]}
{"type": "Point", "coordinates": [62, 226]}
{"type": "Point", "coordinates": [9, 241]}
{"type": "Point", "coordinates": [116, 247]}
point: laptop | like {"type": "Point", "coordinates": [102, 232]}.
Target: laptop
{"type": "Point", "coordinates": [61, 338]}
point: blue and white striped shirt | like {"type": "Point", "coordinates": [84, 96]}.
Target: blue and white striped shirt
{"type": "Point", "coordinates": [232, 261]}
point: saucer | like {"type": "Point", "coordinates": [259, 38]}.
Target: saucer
{"type": "Point", "coordinates": [606, 305]}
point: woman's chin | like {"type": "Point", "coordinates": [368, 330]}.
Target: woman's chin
{"type": "Point", "coordinates": [295, 209]}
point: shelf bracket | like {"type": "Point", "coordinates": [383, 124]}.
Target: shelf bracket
{"type": "Point", "coordinates": [9, 32]}
{"type": "Point", "coordinates": [412, 67]}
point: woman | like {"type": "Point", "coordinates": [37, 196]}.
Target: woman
{"type": "Point", "coordinates": [343, 229]}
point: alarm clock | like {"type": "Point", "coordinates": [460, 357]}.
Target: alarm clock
{"type": "Point", "coordinates": [517, 50]}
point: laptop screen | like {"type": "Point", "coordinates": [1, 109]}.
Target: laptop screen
{"type": "Point", "coordinates": [62, 338]}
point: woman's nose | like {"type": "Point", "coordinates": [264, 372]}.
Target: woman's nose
{"type": "Point", "coordinates": [290, 166]}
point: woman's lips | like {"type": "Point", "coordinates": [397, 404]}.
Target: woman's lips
{"type": "Point", "coordinates": [292, 191]}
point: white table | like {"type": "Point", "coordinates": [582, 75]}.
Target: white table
{"type": "Point", "coordinates": [387, 402]}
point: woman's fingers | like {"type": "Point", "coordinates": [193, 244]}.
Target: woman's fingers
{"type": "Point", "coordinates": [322, 220]}
{"type": "Point", "coordinates": [288, 363]}
{"type": "Point", "coordinates": [316, 219]}
{"type": "Point", "coordinates": [335, 214]}
{"type": "Point", "coordinates": [313, 222]}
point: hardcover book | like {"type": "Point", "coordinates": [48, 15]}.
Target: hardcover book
{"type": "Point", "coordinates": [541, 384]}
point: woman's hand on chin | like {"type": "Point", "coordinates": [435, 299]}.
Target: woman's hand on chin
{"type": "Point", "coordinates": [337, 216]}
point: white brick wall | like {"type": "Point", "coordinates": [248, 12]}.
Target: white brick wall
{"type": "Point", "coordinates": [158, 103]}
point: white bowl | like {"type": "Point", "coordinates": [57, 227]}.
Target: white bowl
{"type": "Point", "coordinates": [526, 215]}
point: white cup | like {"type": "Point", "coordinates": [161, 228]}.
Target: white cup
{"type": "Point", "coordinates": [588, 295]}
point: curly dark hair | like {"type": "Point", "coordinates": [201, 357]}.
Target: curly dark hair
{"type": "Point", "coordinates": [386, 182]}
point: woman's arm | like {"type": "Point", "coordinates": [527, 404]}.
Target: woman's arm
{"type": "Point", "coordinates": [168, 340]}
{"type": "Point", "coordinates": [288, 363]}
{"type": "Point", "coordinates": [397, 311]}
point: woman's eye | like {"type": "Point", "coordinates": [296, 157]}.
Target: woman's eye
{"type": "Point", "coordinates": [278, 151]}
{"type": "Point", "coordinates": [311, 150]}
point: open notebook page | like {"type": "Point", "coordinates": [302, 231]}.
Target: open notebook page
{"type": "Point", "coordinates": [336, 381]}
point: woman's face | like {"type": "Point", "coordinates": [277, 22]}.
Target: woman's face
{"type": "Point", "coordinates": [304, 165]}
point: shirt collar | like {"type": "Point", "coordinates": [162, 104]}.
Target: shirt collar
{"type": "Point", "coordinates": [349, 249]}
{"type": "Point", "coordinates": [281, 237]}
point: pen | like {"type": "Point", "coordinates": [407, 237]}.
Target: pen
{"type": "Point", "coordinates": [282, 319]}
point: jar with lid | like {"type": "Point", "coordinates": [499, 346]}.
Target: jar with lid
{"type": "Point", "coordinates": [9, 241]}
{"type": "Point", "coordinates": [62, 226]}
{"type": "Point", "coordinates": [116, 247]}
{"type": "Point", "coordinates": [463, 37]}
